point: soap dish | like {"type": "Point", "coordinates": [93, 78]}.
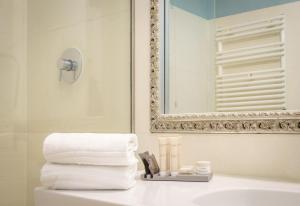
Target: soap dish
{"type": "Point", "coordinates": [180, 177]}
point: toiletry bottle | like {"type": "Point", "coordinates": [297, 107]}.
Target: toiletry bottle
{"type": "Point", "coordinates": [163, 156]}
{"type": "Point", "coordinates": [174, 155]}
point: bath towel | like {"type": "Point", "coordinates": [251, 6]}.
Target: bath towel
{"type": "Point", "coordinates": [90, 148]}
{"type": "Point", "coordinates": [84, 177]}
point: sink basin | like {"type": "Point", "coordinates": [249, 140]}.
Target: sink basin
{"type": "Point", "coordinates": [249, 197]}
{"type": "Point", "coordinates": [220, 191]}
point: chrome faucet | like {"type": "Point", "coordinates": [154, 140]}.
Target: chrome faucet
{"type": "Point", "coordinates": [70, 65]}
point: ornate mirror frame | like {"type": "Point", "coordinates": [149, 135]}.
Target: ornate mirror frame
{"type": "Point", "coordinates": [233, 122]}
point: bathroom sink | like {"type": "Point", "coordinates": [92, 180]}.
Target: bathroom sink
{"type": "Point", "coordinates": [249, 197]}
{"type": "Point", "coordinates": [220, 191]}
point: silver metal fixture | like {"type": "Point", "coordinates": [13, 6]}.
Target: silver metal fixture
{"type": "Point", "coordinates": [70, 65]}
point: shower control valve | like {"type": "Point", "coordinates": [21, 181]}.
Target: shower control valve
{"type": "Point", "coordinates": [68, 65]}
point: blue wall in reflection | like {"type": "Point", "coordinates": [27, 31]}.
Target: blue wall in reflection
{"type": "Point", "coordinates": [209, 9]}
{"type": "Point", "coordinates": [202, 8]}
{"type": "Point", "coordinates": [230, 7]}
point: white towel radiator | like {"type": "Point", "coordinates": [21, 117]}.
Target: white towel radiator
{"type": "Point", "coordinates": [243, 83]}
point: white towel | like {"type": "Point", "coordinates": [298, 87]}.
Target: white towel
{"type": "Point", "coordinates": [83, 177]}
{"type": "Point", "coordinates": [91, 148]}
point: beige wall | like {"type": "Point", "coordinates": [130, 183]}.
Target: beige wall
{"type": "Point", "coordinates": [261, 155]}
{"type": "Point", "coordinates": [13, 99]}
{"type": "Point", "coordinates": [191, 40]}
{"type": "Point", "coordinates": [100, 100]}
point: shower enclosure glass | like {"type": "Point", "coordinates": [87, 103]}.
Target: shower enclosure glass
{"type": "Point", "coordinates": [34, 103]}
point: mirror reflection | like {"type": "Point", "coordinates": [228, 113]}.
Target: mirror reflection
{"type": "Point", "coordinates": [229, 55]}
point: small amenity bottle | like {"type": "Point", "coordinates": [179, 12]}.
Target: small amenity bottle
{"type": "Point", "coordinates": [163, 156]}
{"type": "Point", "coordinates": [174, 155]}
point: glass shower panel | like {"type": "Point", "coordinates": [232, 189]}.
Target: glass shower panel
{"type": "Point", "coordinates": [13, 103]}
{"type": "Point", "coordinates": [99, 101]}
{"type": "Point", "coordinates": [34, 102]}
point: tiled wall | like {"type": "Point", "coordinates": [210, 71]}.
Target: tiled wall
{"type": "Point", "coordinates": [30, 90]}
{"type": "Point", "coordinates": [13, 103]}
{"type": "Point", "coordinates": [100, 100]}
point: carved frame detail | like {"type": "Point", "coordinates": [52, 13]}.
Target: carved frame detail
{"type": "Point", "coordinates": [233, 122]}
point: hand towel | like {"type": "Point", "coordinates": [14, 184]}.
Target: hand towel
{"type": "Point", "coordinates": [90, 148]}
{"type": "Point", "coordinates": [84, 177]}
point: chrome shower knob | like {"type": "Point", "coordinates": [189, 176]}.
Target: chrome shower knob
{"type": "Point", "coordinates": [70, 65]}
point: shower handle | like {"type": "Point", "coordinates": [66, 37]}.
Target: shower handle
{"type": "Point", "coordinates": [67, 65]}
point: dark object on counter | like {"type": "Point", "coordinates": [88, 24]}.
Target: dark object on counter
{"type": "Point", "coordinates": [145, 162]}
{"type": "Point", "coordinates": [153, 165]}
{"type": "Point", "coordinates": [150, 163]}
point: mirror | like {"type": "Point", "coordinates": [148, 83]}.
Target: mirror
{"type": "Point", "coordinates": [230, 56]}
{"type": "Point", "coordinates": [225, 66]}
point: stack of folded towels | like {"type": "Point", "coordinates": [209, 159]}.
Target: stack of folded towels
{"type": "Point", "coordinates": [89, 161]}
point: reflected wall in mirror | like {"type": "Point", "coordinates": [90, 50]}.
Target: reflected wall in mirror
{"type": "Point", "coordinates": [230, 56]}
{"type": "Point", "coordinates": [225, 66]}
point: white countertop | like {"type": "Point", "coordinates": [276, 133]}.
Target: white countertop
{"type": "Point", "coordinates": [150, 193]}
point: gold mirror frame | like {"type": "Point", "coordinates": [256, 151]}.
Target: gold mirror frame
{"type": "Point", "coordinates": [233, 122]}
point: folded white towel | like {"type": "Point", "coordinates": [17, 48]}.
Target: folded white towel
{"type": "Point", "coordinates": [79, 177]}
{"type": "Point", "coordinates": [90, 148]}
